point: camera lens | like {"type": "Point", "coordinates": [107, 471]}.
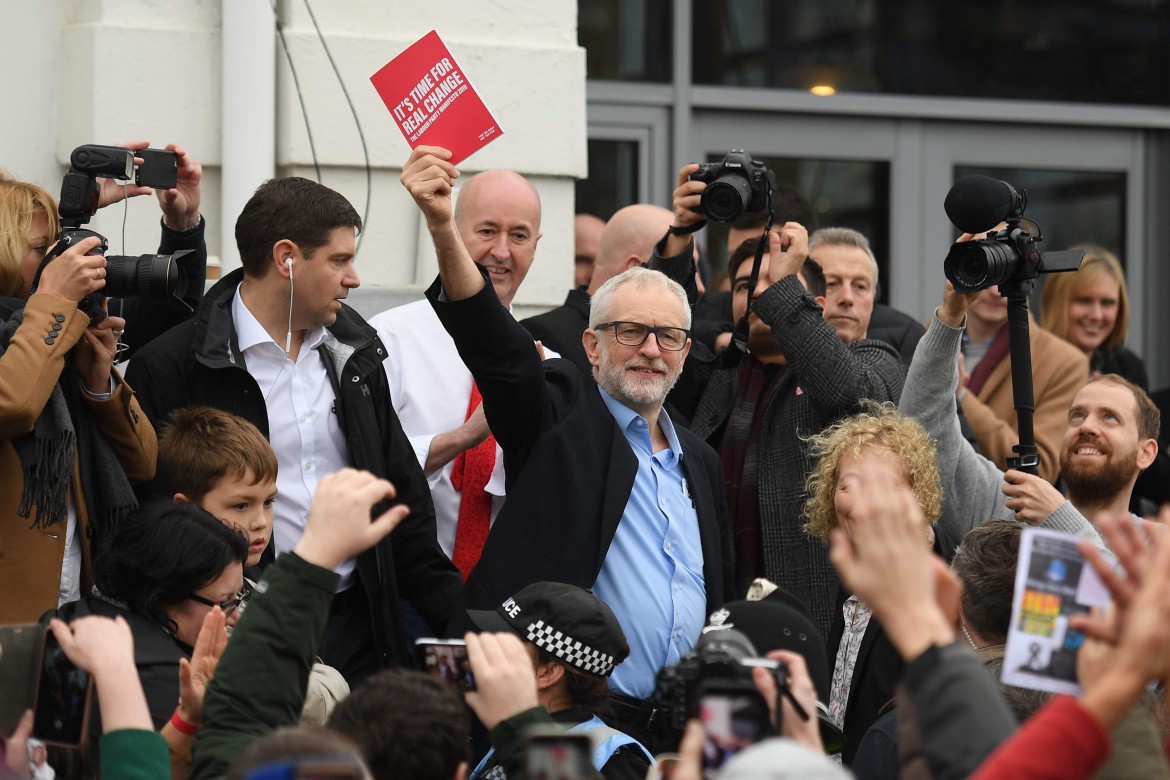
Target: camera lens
{"type": "Point", "coordinates": [726, 198]}
{"type": "Point", "coordinates": [153, 277]}
{"type": "Point", "coordinates": [976, 265]}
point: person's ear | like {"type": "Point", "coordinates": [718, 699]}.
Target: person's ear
{"type": "Point", "coordinates": [284, 255]}
{"type": "Point", "coordinates": [1147, 451]}
{"type": "Point", "coordinates": [548, 675]}
{"type": "Point", "coordinates": [592, 347]}
{"type": "Point", "coordinates": [182, 497]}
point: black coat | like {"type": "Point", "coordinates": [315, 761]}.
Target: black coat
{"type": "Point", "coordinates": [199, 363]}
{"type": "Point", "coordinates": [560, 329]}
{"type": "Point", "coordinates": [569, 467]}
{"type": "Point", "coordinates": [878, 669]}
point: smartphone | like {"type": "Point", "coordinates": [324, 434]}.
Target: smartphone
{"type": "Point", "coordinates": [159, 169]}
{"type": "Point", "coordinates": [447, 660]}
{"type": "Point", "coordinates": [20, 652]}
{"type": "Point", "coordinates": [559, 756]}
{"type": "Point", "coordinates": [61, 716]}
{"type": "Point", "coordinates": [733, 718]}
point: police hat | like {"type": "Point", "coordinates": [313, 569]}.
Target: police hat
{"type": "Point", "coordinates": [568, 622]}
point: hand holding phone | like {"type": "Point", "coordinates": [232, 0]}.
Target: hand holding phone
{"type": "Point", "coordinates": [61, 716]}
{"type": "Point", "coordinates": [446, 659]}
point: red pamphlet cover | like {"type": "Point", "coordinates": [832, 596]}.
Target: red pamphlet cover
{"type": "Point", "coordinates": [432, 102]}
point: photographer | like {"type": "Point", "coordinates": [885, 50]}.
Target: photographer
{"type": "Point", "coordinates": [182, 229]}
{"type": "Point", "coordinates": [73, 435]}
{"type": "Point", "coordinates": [798, 376]}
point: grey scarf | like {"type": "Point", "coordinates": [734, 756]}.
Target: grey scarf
{"type": "Point", "coordinates": [64, 430]}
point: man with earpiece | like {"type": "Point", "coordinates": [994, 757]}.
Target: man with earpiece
{"type": "Point", "coordinates": [274, 343]}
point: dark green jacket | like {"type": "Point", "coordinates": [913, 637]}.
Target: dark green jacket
{"type": "Point", "coordinates": [262, 678]}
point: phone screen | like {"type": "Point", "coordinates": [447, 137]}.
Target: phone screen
{"type": "Point", "coordinates": [159, 169]}
{"type": "Point", "coordinates": [559, 757]}
{"type": "Point", "coordinates": [732, 720]}
{"type": "Point", "coordinates": [20, 650]}
{"type": "Point", "coordinates": [62, 697]}
{"type": "Point", "coordinates": [447, 660]}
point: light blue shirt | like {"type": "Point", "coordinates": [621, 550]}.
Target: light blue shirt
{"type": "Point", "coordinates": [652, 576]}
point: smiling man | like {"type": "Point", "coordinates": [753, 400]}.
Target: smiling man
{"type": "Point", "coordinates": [497, 214]}
{"type": "Point", "coordinates": [274, 343]}
{"type": "Point", "coordinates": [604, 492]}
{"type": "Point", "coordinates": [1109, 436]}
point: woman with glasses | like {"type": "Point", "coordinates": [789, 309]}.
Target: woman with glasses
{"type": "Point", "coordinates": [163, 569]}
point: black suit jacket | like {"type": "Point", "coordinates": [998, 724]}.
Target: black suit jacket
{"type": "Point", "coordinates": [569, 467]}
{"type": "Point", "coordinates": [561, 328]}
{"type": "Point", "coordinates": [878, 669]}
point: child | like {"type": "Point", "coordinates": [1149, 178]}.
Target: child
{"type": "Point", "coordinates": [225, 465]}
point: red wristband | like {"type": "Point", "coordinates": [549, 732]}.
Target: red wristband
{"type": "Point", "coordinates": [182, 726]}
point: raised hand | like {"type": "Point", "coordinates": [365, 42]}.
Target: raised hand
{"type": "Point", "coordinates": [180, 205]}
{"type": "Point", "coordinates": [339, 525]}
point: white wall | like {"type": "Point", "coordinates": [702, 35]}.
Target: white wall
{"type": "Point", "coordinates": [103, 71]}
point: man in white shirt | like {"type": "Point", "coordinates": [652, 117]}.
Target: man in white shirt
{"type": "Point", "coordinates": [274, 344]}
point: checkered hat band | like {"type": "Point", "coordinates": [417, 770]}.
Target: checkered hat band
{"type": "Point", "coordinates": [568, 650]}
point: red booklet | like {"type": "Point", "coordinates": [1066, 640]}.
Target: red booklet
{"type": "Point", "coordinates": [432, 102]}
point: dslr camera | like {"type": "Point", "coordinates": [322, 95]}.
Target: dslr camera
{"type": "Point", "coordinates": [735, 186]}
{"type": "Point", "coordinates": [152, 277]}
{"type": "Point", "coordinates": [722, 660]}
{"type": "Point", "coordinates": [1010, 257]}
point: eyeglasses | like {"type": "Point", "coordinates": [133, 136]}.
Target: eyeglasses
{"type": "Point", "coordinates": [633, 334]}
{"type": "Point", "coordinates": [229, 606]}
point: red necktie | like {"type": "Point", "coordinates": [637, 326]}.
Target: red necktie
{"type": "Point", "coordinates": [469, 474]}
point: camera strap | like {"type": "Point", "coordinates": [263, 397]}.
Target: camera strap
{"type": "Point", "coordinates": [739, 336]}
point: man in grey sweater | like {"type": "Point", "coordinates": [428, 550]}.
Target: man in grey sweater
{"type": "Point", "coordinates": [1111, 437]}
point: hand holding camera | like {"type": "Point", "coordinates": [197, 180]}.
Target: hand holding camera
{"type": "Point", "coordinates": [77, 273]}
{"type": "Point", "coordinates": [97, 351]}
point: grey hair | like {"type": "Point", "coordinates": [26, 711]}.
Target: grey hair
{"type": "Point", "coordinates": [843, 236]}
{"type": "Point", "coordinates": [641, 278]}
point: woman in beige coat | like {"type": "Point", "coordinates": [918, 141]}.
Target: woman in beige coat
{"type": "Point", "coordinates": [72, 435]}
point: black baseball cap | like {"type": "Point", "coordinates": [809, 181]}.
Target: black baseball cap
{"type": "Point", "coordinates": [781, 622]}
{"type": "Point", "coordinates": [566, 621]}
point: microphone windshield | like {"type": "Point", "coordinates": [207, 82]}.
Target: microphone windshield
{"type": "Point", "coordinates": [978, 203]}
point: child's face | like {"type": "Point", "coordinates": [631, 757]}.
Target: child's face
{"type": "Point", "coordinates": [238, 500]}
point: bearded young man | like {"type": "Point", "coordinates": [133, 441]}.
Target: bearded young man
{"type": "Point", "coordinates": [1110, 437]}
{"type": "Point", "coordinates": [604, 492]}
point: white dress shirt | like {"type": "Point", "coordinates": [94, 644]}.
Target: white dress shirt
{"type": "Point", "coordinates": [430, 387]}
{"type": "Point", "coordinates": [302, 424]}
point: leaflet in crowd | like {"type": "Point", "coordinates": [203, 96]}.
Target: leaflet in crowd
{"type": "Point", "coordinates": [1053, 583]}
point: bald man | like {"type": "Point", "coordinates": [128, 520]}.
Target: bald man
{"type": "Point", "coordinates": [627, 241]}
{"type": "Point", "coordinates": [586, 237]}
{"type": "Point", "coordinates": [497, 214]}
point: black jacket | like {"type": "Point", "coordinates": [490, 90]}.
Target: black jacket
{"type": "Point", "coordinates": [878, 669]}
{"type": "Point", "coordinates": [569, 467]}
{"type": "Point", "coordinates": [199, 362]}
{"type": "Point", "coordinates": [561, 328]}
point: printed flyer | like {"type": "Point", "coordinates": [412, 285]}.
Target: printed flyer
{"type": "Point", "coordinates": [1053, 583]}
{"type": "Point", "coordinates": [432, 101]}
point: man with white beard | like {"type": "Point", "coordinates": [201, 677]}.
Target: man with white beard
{"type": "Point", "coordinates": [604, 492]}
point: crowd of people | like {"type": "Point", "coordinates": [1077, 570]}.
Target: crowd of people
{"type": "Point", "coordinates": [670, 487]}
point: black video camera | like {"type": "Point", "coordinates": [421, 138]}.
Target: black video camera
{"type": "Point", "coordinates": [1006, 257]}
{"type": "Point", "coordinates": [153, 277]}
{"type": "Point", "coordinates": [735, 186]}
{"type": "Point", "coordinates": [723, 659]}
